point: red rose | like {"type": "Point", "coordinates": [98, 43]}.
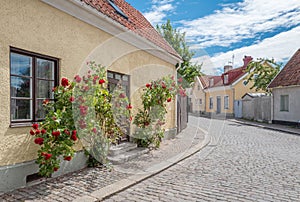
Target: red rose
{"type": "Point", "coordinates": [35, 126]}
{"type": "Point", "coordinates": [180, 80]}
{"type": "Point", "coordinates": [67, 132]}
{"type": "Point", "coordinates": [68, 158]}
{"type": "Point", "coordinates": [83, 110]}
{"type": "Point", "coordinates": [148, 85]}
{"type": "Point", "coordinates": [45, 102]}
{"type": "Point", "coordinates": [169, 99]}
{"type": "Point", "coordinates": [32, 132]}
{"type": "Point", "coordinates": [43, 153]}
{"type": "Point", "coordinates": [74, 132]}
{"type": "Point", "coordinates": [122, 95]}
{"type": "Point", "coordinates": [55, 169]}
{"type": "Point", "coordinates": [47, 156]}
{"type": "Point", "coordinates": [101, 81]}
{"type": "Point", "coordinates": [37, 131]}
{"type": "Point", "coordinates": [43, 131]}
{"type": "Point", "coordinates": [72, 99]}
{"type": "Point", "coordinates": [39, 140]}
{"type": "Point", "coordinates": [129, 107]}
{"type": "Point", "coordinates": [163, 85]}
{"type": "Point", "coordinates": [96, 77]}
{"type": "Point", "coordinates": [77, 78]}
{"type": "Point", "coordinates": [94, 130]}
{"type": "Point", "coordinates": [64, 82]}
{"type": "Point", "coordinates": [55, 133]}
{"type": "Point", "coordinates": [74, 137]}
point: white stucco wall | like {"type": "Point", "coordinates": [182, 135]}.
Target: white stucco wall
{"type": "Point", "coordinates": [293, 115]}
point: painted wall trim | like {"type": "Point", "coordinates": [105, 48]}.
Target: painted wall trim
{"type": "Point", "coordinates": [91, 16]}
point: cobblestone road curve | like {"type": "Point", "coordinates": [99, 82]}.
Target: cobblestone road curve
{"type": "Point", "coordinates": [243, 163]}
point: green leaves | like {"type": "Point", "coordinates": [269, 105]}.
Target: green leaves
{"type": "Point", "coordinates": [187, 70]}
{"type": "Point", "coordinates": [262, 72]}
{"type": "Point", "coordinates": [151, 118]}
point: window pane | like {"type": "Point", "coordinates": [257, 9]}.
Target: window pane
{"type": "Point", "coordinates": [118, 76]}
{"type": "Point", "coordinates": [45, 69]}
{"type": "Point", "coordinates": [20, 109]}
{"type": "Point", "coordinates": [110, 75]}
{"type": "Point", "coordinates": [40, 112]}
{"type": "Point", "coordinates": [125, 78]}
{"type": "Point", "coordinates": [44, 89]}
{"type": "Point", "coordinates": [20, 87]}
{"type": "Point", "coordinates": [20, 64]}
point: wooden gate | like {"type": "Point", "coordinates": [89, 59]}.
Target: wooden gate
{"type": "Point", "coordinates": [182, 113]}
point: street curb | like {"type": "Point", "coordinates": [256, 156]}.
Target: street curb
{"type": "Point", "coordinates": [126, 183]}
{"type": "Point", "coordinates": [265, 127]}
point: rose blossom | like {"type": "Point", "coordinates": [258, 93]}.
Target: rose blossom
{"type": "Point", "coordinates": [64, 82]}
{"type": "Point", "coordinates": [32, 132]}
{"type": "Point", "coordinates": [101, 81]}
{"type": "Point", "coordinates": [39, 140]}
{"type": "Point", "coordinates": [68, 158]}
{"type": "Point", "coordinates": [77, 78]}
{"type": "Point", "coordinates": [47, 156]}
{"type": "Point", "coordinates": [43, 131]}
{"type": "Point", "coordinates": [35, 126]}
{"type": "Point", "coordinates": [169, 99]}
{"type": "Point", "coordinates": [72, 99]}
{"type": "Point", "coordinates": [55, 133]}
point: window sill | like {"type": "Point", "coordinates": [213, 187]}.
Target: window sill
{"type": "Point", "coordinates": [19, 125]}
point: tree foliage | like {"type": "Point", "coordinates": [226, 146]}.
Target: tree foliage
{"type": "Point", "coordinates": [261, 72]}
{"type": "Point", "coordinates": [187, 70]}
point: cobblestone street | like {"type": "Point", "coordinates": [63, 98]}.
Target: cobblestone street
{"type": "Point", "coordinates": [242, 163]}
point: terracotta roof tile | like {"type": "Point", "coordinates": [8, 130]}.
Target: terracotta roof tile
{"type": "Point", "coordinates": [136, 22]}
{"type": "Point", "coordinates": [290, 74]}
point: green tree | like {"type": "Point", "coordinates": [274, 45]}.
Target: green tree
{"type": "Point", "coordinates": [187, 70]}
{"type": "Point", "coordinates": [261, 72]}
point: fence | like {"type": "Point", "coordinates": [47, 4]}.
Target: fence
{"type": "Point", "coordinates": [258, 108]}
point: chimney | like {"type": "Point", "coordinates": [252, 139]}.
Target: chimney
{"type": "Point", "coordinates": [227, 68]}
{"type": "Point", "coordinates": [246, 60]}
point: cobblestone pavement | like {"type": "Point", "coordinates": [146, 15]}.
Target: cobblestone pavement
{"type": "Point", "coordinates": [67, 187]}
{"type": "Point", "coordinates": [86, 181]}
{"type": "Point", "coordinates": [242, 163]}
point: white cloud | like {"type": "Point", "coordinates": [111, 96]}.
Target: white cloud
{"type": "Point", "coordinates": [280, 47]}
{"type": "Point", "coordinates": [158, 11]}
{"type": "Point", "coordinates": [243, 20]}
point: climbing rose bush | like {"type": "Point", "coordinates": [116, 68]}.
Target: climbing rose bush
{"type": "Point", "coordinates": [82, 109]}
{"type": "Point", "coordinates": [151, 118]}
{"type": "Point", "coordinates": [56, 134]}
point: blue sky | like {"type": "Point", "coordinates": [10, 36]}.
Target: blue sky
{"type": "Point", "coordinates": [220, 31]}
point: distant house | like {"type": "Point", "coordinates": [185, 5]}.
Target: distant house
{"type": "Point", "coordinates": [286, 92]}
{"type": "Point", "coordinates": [42, 41]}
{"type": "Point", "coordinates": [222, 94]}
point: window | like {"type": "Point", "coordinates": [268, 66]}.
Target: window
{"type": "Point", "coordinates": [115, 79]}
{"type": "Point", "coordinates": [112, 3]}
{"type": "Point", "coordinates": [200, 101]}
{"type": "Point", "coordinates": [245, 82]}
{"type": "Point", "coordinates": [211, 104]}
{"type": "Point", "coordinates": [211, 82]}
{"type": "Point", "coordinates": [32, 77]}
{"type": "Point", "coordinates": [225, 78]}
{"type": "Point", "coordinates": [226, 102]}
{"type": "Point", "coordinates": [284, 103]}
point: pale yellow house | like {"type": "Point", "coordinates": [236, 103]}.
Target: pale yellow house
{"type": "Point", "coordinates": [222, 94]}
{"type": "Point", "coordinates": [60, 36]}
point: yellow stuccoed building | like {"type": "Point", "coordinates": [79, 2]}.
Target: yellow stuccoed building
{"type": "Point", "coordinates": [63, 36]}
{"type": "Point", "coordinates": [221, 95]}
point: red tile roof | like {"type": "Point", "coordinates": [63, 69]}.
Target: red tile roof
{"type": "Point", "coordinates": [290, 74]}
{"type": "Point", "coordinates": [233, 75]}
{"type": "Point", "coordinates": [136, 22]}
